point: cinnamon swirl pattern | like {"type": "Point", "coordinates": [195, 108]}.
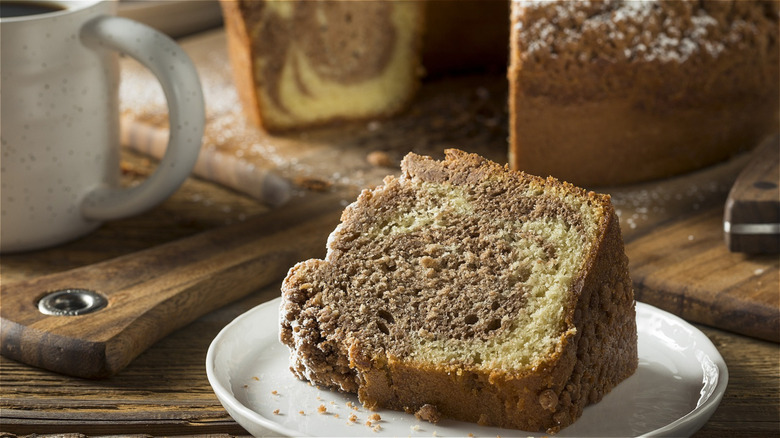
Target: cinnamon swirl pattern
{"type": "Point", "coordinates": [314, 62]}
{"type": "Point", "coordinates": [495, 296]}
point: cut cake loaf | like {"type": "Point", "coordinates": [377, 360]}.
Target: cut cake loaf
{"type": "Point", "coordinates": [601, 92]}
{"type": "Point", "coordinates": [620, 91]}
{"type": "Point", "coordinates": [471, 291]}
{"type": "Point", "coordinates": [307, 63]}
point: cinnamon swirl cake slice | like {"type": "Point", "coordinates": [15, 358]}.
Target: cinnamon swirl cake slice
{"type": "Point", "coordinates": [466, 290]}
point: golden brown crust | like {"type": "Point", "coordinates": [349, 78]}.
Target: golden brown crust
{"type": "Point", "coordinates": [241, 56]}
{"type": "Point", "coordinates": [605, 305]}
{"type": "Point", "coordinates": [616, 92]}
{"type": "Point", "coordinates": [630, 145]}
{"type": "Point", "coordinates": [686, 52]}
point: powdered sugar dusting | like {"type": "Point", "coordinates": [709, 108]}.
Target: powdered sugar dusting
{"type": "Point", "coordinates": [619, 30]}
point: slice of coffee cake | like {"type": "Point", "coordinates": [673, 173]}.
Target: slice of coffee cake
{"type": "Point", "coordinates": [471, 291]}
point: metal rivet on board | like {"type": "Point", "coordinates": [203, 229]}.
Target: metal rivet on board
{"type": "Point", "coordinates": [71, 302]}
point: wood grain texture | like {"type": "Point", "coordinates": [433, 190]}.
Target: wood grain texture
{"type": "Point", "coordinates": [152, 292]}
{"type": "Point", "coordinates": [164, 391]}
{"type": "Point", "coordinates": [686, 269]}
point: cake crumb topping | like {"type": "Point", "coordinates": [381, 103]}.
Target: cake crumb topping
{"type": "Point", "coordinates": [642, 30]}
{"type": "Point", "coordinates": [428, 412]}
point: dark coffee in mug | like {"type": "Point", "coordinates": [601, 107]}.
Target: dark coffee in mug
{"type": "Point", "coordinates": [9, 9]}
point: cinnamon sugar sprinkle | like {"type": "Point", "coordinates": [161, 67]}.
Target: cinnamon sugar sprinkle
{"type": "Point", "coordinates": [642, 30]}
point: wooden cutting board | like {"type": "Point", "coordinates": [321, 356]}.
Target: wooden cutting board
{"type": "Point", "coordinates": [672, 228]}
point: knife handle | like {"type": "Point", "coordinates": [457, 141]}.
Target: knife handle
{"type": "Point", "coordinates": [153, 292]}
{"type": "Point", "coordinates": [751, 218]}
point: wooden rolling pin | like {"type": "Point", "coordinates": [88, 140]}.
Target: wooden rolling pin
{"type": "Point", "coordinates": [104, 315]}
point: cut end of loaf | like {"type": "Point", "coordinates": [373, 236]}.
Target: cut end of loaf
{"type": "Point", "coordinates": [316, 63]}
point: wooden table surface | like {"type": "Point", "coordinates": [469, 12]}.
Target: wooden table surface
{"type": "Point", "coordinates": [164, 391]}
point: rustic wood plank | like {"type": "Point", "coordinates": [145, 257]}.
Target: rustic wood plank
{"type": "Point", "coordinates": [751, 404]}
{"type": "Point", "coordinates": [686, 269]}
{"type": "Point", "coordinates": [150, 293]}
{"type": "Point", "coordinates": [165, 391]}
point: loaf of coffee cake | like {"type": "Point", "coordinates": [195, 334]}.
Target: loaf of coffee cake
{"type": "Point", "coordinates": [620, 91]}
{"type": "Point", "coordinates": [466, 290]}
{"type": "Point", "coordinates": [601, 92]}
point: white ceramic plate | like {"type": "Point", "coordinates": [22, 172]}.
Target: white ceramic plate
{"type": "Point", "coordinates": [679, 383]}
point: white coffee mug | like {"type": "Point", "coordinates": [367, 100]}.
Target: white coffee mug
{"type": "Point", "coordinates": [59, 77]}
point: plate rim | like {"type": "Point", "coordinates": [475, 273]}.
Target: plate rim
{"type": "Point", "coordinates": [704, 410]}
{"type": "Point", "coordinates": [225, 395]}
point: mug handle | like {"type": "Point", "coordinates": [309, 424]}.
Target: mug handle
{"type": "Point", "coordinates": [186, 110]}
